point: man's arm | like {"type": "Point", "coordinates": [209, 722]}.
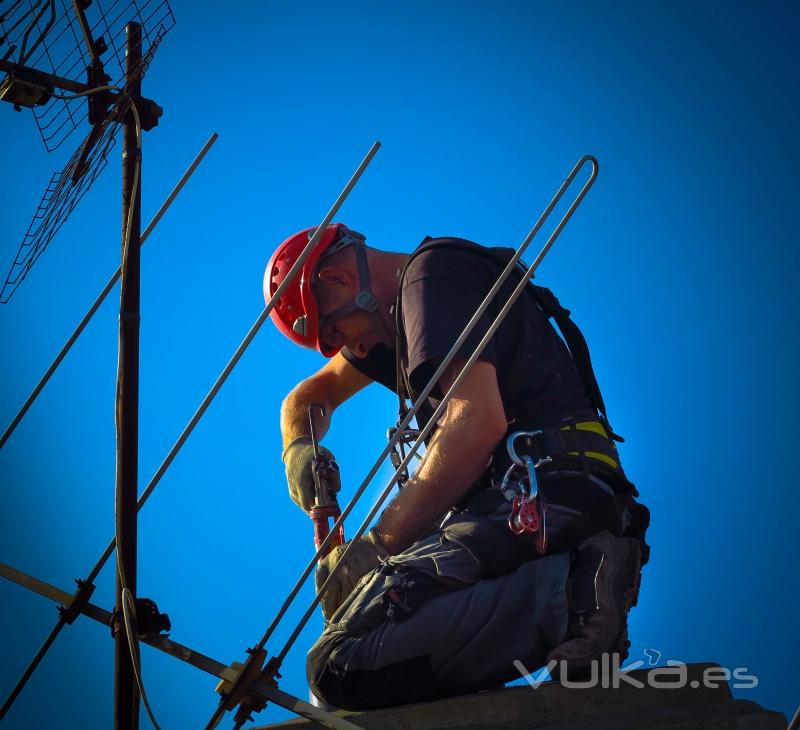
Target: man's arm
{"type": "Point", "coordinates": [471, 428]}
{"type": "Point", "coordinates": [330, 386]}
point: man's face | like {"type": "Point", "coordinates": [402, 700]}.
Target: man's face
{"type": "Point", "coordinates": [357, 331]}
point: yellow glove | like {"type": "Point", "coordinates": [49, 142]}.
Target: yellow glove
{"type": "Point", "coordinates": [367, 553]}
{"type": "Point", "coordinates": [297, 458]}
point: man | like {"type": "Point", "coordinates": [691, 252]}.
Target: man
{"type": "Point", "coordinates": [464, 572]}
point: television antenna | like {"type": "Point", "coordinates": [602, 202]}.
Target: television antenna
{"type": "Point", "coordinates": [44, 45]}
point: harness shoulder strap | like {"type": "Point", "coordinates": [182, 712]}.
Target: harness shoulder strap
{"type": "Point", "coordinates": [547, 302]}
{"type": "Point", "coordinates": [578, 349]}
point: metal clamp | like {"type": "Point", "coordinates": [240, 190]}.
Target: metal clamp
{"type": "Point", "coordinates": [327, 483]}
{"type": "Point", "coordinates": [80, 599]}
{"type": "Point", "coordinates": [398, 453]}
{"type": "Point", "coordinates": [239, 691]}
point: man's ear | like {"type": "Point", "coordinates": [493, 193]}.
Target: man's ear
{"type": "Point", "coordinates": [332, 275]}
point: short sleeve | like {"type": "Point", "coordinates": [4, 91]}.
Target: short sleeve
{"type": "Point", "coordinates": [379, 365]}
{"type": "Point", "coordinates": [441, 292]}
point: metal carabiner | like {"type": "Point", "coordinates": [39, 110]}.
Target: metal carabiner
{"type": "Point", "coordinates": [398, 453]}
{"type": "Point", "coordinates": [525, 461]}
{"type": "Point", "coordinates": [528, 509]}
{"type": "Point", "coordinates": [512, 452]}
{"type": "Point", "coordinates": [533, 482]}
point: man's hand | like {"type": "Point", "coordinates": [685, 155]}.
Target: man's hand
{"type": "Point", "coordinates": [366, 554]}
{"type": "Point", "coordinates": [297, 458]}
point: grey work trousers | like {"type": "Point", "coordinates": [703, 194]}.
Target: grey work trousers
{"type": "Point", "coordinates": [431, 622]}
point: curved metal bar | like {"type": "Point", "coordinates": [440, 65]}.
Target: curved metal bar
{"type": "Point", "coordinates": [23, 55]}
{"type": "Point", "coordinates": [42, 35]}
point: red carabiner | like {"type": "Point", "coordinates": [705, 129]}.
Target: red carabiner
{"type": "Point", "coordinates": [528, 516]}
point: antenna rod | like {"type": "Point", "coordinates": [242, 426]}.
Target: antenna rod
{"type": "Point", "coordinates": [51, 637]}
{"type": "Point", "coordinates": [87, 34]}
{"type": "Point", "coordinates": [103, 294]}
{"type": "Point", "coordinates": [126, 692]}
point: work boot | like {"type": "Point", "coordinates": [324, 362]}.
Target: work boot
{"type": "Point", "coordinates": [603, 586]}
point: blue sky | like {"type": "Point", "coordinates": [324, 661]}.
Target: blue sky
{"type": "Point", "coordinates": [680, 266]}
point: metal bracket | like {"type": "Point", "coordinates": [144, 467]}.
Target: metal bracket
{"type": "Point", "coordinates": [26, 87]}
{"type": "Point", "coordinates": [80, 600]}
{"type": "Point", "coordinates": [255, 701]}
{"type": "Point", "coordinates": [240, 690]}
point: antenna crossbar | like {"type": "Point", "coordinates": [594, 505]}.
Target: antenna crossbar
{"type": "Point", "coordinates": [227, 674]}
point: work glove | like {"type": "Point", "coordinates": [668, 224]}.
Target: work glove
{"type": "Point", "coordinates": [367, 553]}
{"type": "Point", "coordinates": [297, 458]}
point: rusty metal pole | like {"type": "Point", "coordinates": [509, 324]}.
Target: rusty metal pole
{"type": "Point", "coordinates": [126, 692]}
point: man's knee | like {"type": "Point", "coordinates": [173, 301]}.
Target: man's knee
{"type": "Point", "coordinates": [336, 678]}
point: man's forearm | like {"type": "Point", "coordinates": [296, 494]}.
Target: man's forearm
{"type": "Point", "coordinates": [294, 412]}
{"type": "Point", "coordinates": [455, 459]}
{"type": "Point", "coordinates": [330, 386]}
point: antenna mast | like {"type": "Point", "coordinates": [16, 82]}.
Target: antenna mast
{"type": "Point", "coordinates": [126, 692]}
{"type": "Point", "coordinates": [108, 106]}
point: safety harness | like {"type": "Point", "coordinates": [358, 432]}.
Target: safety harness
{"type": "Point", "coordinates": [582, 444]}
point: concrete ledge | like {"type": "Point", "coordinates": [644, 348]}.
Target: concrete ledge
{"type": "Point", "coordinates": [552, 706]}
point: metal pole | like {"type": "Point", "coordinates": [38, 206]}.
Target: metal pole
{"type": "Point", "coordinates": [206, 402]}
{"type": "Point", "coordinates": [209, 397]}
{"type": "Point", "coordinates": [794, 723]}
{"type": "Point", "coordinates": [126, 693]}
{"type": "Point", "coordinates": [51, 637]}
{"type": "Point", "coordinates": [103, 294]}
{"type": "Point", "coordinates": [29, 670]}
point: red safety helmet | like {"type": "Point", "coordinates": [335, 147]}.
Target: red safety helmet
{"type": "Point", "coordinates": [296, 313]}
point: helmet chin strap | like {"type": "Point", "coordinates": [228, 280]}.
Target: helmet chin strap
{"type": "Point", "coordinates": [365, 300]}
